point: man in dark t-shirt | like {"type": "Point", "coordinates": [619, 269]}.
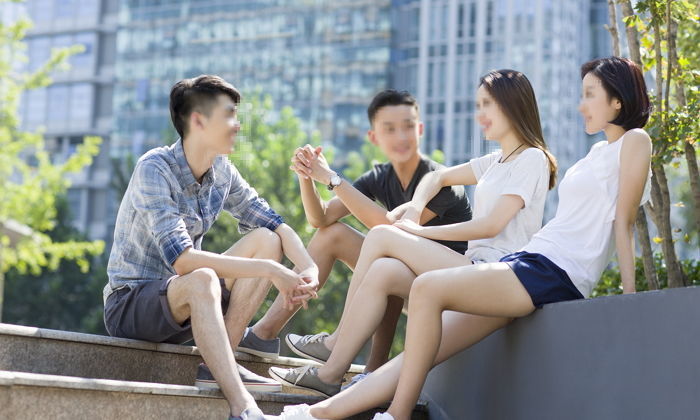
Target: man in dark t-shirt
{"type": "Point", "coordinates": [396, 129]}
{"type": "Point", "coordinates": [450, 205]}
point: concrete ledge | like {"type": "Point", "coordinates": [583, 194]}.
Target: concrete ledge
{"type": "Point", "coordinates": [76, 337]}
{"type": "Point", "coordinates": [30, 396]}
{"type": "Point", "coordinates": [37, 350]}
{"type": "Point", "coordinates": [71, 382]}
{"type": "Point", "coordinates": [618, 357]}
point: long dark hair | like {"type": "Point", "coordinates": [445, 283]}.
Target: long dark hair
{"type": "Point", "coordinates": [516, 98]}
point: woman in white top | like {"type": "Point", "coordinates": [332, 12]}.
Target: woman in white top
{"type": "Point", "coordinates": [452, 309]}
{"type": "Point", "coordinates": [511, 187]}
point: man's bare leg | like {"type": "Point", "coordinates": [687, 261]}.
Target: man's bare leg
{"type": "Point", "coordinates": [247, 294]}
{"type": "Point", "coordinates": [197, 296]}
{"type": "Point", "coordinates": [335, 242]}
{"type": "Point", "coordinates": [383, 337]}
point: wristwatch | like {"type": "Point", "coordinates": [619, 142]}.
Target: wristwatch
{"type": "Point", "coordinates": [334, 181]}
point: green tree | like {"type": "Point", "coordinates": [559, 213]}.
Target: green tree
{"type": "Point", "coordinates": [67, 298]}
{"type": "Point", "coordinates": [29, 181]}
{"type": "Point", "coordinates": [659, 47]}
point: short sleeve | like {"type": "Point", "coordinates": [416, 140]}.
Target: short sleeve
{"type": "Point", "coordinates": [481, 164]}
{"type": "Point", "coordinates": [245, 205]}
{"type": "Point", "coordinates": [445, 199]}
{"type": "Point", "coordinates": [152, 200]}
{"type": "Point", "coordinates": [528, 172]}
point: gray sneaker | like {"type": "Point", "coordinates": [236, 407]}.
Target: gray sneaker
{"type": "Point", "coordinates": [252, 344]}
{"type": "Point", "coordinates": [309, 346]}
{"type": "Point", "coordinates": [305, 377]}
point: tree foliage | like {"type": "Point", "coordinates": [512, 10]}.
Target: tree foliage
{"type": "Point", "coordinates": [662, 38]}
{"type": "Point", "coordinates": [29, 181]}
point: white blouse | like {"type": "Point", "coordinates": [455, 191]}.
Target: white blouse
{"type": "Point", "coordinates": [580, 238]}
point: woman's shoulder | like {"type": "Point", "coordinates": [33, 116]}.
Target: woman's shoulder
{"type": "Point", "coordinates": [534, 155]}
{"type": "Point", "coordinates": [638, 137]}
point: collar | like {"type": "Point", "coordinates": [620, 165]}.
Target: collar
{"type": "Point", "coordinates": [186, 177]}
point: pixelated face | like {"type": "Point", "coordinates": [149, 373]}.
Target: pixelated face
{"type": "Point", "coordinates": [221, 126]}
{"type": "Point", "coordinates": [596, 107]}
{"type": "Point", "coordinates": [396, 130]}
{"type": "Point", "coordinates": [493, 122]}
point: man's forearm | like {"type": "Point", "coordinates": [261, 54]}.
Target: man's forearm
{"type": "Point", "coordinates": [366, 210]}
{"type": "Point", "coordinates": [293, 248]}
{"type": "Point", "coordinates": [313, 205]}
{"type": "Point", "coordinates": [224, 265]}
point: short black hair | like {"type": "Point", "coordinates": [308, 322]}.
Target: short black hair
{"type": "Point", "coordinates": [197, 94]}
{"type": "Point", "coordinates": [390, 97]}
{"type": "Point", "coordinates": [622, 79]}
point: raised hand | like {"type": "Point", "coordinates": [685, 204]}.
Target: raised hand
{"type": "Point", "coordinates": [309, 162]}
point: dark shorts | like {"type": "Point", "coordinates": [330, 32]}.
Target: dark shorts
{"type": "Point", "coordinates": [543, 280]}
{"type": "Point", "coordinates": [142, 312]}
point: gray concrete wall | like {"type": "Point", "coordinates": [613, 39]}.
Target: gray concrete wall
{"type": "Point", "coordinates": [620, 357]}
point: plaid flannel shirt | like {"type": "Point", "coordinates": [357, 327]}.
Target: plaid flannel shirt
{"type": "Point", "coordinates": [165, 210]}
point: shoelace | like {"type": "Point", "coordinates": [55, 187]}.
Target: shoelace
{"type": "Point", "coordinates": [317, 338]}
{"type": "Point", "coordinates": [301, 372]}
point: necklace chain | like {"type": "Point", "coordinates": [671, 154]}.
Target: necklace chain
{"type": "Point", "coordinates": [510, 154]}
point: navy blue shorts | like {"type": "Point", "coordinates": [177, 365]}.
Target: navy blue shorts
{"type": "Point", "coordinates": [543, 280]}
{"type": "Point", "coordinates": [142, 312]}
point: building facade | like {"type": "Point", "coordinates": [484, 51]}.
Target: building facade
{"type": "Point", "coordinates": [326, 59]}
{"type": "Point", "coordinates": [442, 47]}
{"type": "Point", "coordinates": [79, 101]}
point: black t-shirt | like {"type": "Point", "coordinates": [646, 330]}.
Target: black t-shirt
{"type": "Point", "coordinates": [451, 204]}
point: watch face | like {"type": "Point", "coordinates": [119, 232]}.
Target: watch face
{"type": "Point", "coordinates": [335, 180]}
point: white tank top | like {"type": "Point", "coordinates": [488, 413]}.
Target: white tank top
{"type": "Point", "coordinates": [580, 238]}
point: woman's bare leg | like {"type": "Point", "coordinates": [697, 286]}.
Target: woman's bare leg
{"type": "Point", "coordinates": [388, 276]}
{"type": "Point", "coordinates": [460, 332]}
{"type": "Point", "coordinates": [486, 289]}
{"type": "Point", "coordinates": [412, 250]}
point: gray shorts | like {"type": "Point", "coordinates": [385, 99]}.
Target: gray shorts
{"type": "Point", "coordinates": [142, 312]}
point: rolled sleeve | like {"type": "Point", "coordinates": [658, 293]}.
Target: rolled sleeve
{"type": "Point", "coordinates": [152, 200]}
{"type": "Point", "coordinates": [250, 209]}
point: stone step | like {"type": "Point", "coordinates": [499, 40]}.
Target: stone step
{"type": "Point", "coordinates": [55, 352]}
{"type": "Point", "coordinates": [32, 396]}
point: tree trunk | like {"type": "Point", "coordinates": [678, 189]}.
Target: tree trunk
{"type": "Point", "coordinates": [688, 143]}
{"type": "Point", "coordinates": [647, 254]}
{"type": "Point", "coordinates": [612, 28]}
{"type": "Point", "coordinates": [641, 223]}
{"type": "Point", "coordinates": [662, 199]}
{"type": "Point", "coordinates": [694, 175]}
{"type": "Point", "coordinates": [632, 33]}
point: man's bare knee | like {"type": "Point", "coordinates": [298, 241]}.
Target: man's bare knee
{"type": "Point", "coordinates": [328, 236]}
{"type": "Point", "coordinates": [203, 286]}
{"type": "Point", "coordinates": [197, 289]}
